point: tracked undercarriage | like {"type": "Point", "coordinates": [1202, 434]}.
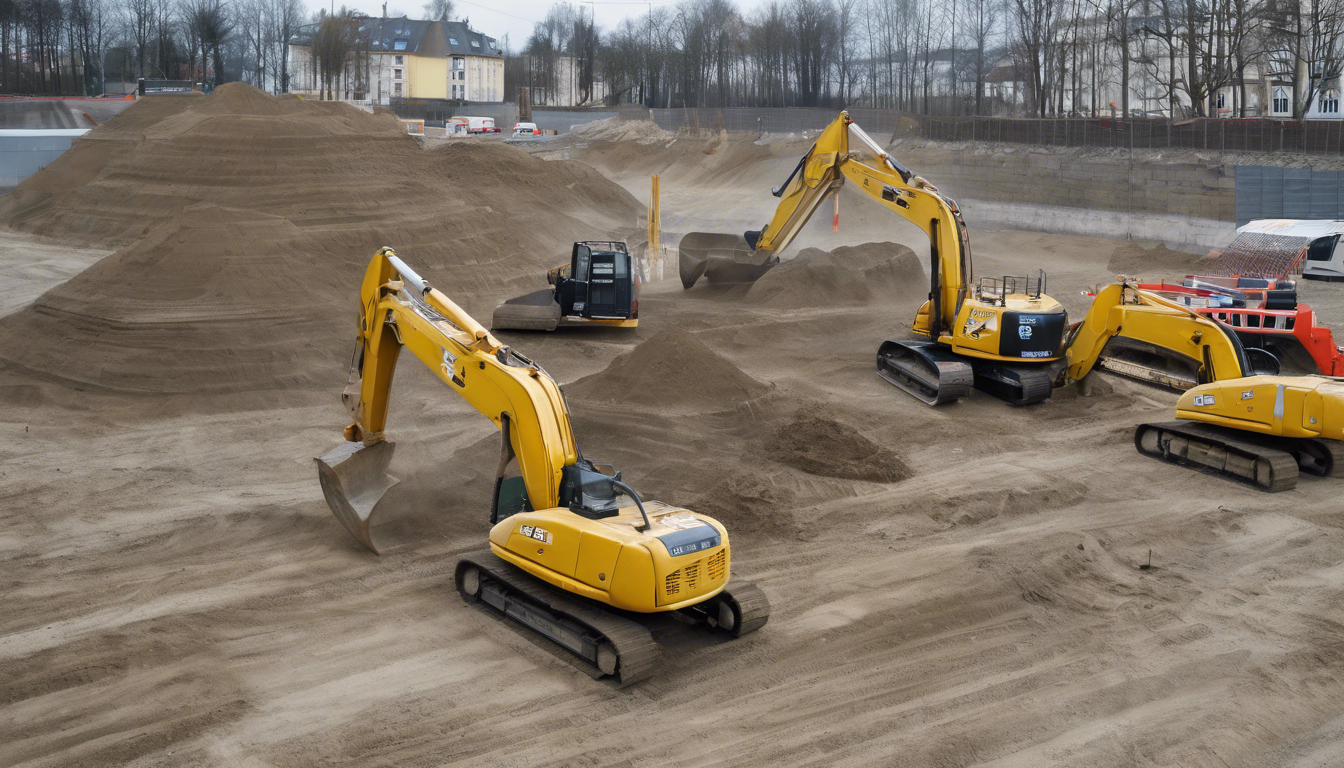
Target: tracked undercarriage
{"type": "Point", "coordinates": [934, 375]}
{"type": "Point", "coordinates": [612, 643]}
{"type": "Point", "coordinates": [1270, 463]}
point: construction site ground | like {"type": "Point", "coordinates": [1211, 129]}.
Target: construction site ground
{"type": "Point", "coordinates": [962, 586]}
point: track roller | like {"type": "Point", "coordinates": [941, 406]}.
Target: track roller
{"type": "Point", "coordinates": [740, 609]}
{"type": "Point", "coordinates": [925, 370]}
{"type": "Point", "coordinates": [1014, 384]}
{"type": "Point", "coordinates": [614, 645]}
{"type": "Point", "coordinates": [1231, 453]}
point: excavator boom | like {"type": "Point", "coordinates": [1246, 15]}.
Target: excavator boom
{"type": "Point", "coordinates": [398, 308]}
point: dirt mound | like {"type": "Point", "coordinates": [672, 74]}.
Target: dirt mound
{"type": "Point", "coordinates": [750, 505]}
{"type": "Point", "coordinates": [820, 445]}
{"type": "Point", "coordinates": [847, 276]}
{"type": "Point", "coordinates": [615, 129]}
{"type": "Point", "coordinates": [673, 368]}
{"type": "Point", "coordinates": [1133, 260]}
{"type": "Point", "coordinates": [247, 221]}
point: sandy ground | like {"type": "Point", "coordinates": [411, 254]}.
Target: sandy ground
{"type": "Point", "coordinates": [177, 592]}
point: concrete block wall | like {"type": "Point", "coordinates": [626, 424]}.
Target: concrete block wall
{"type": "Point", "coordinates": [1191, 189]}
{"type": "Point", "coordinates": [1186, 205]}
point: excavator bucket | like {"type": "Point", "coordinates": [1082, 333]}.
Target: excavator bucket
{"type": "Point", "coordinates": [536, 311]}
{"type": "Point", "coordinates": [720, 257]}
{"type": "Point", "coordinates": [354, 478]}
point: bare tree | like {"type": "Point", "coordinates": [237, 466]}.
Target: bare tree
{"type": "Point", "coordinates": [439, 10]}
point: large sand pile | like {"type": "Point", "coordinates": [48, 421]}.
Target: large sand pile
{"type": "Point", "coordinates": [247, 221]}
{"type": "Point", "coordinates": [673, 368]}
{"type": "Point", "coordinates": [847, 276]}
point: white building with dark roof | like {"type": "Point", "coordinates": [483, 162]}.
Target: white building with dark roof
{"type": "Point", "coordinates": [409, 59]}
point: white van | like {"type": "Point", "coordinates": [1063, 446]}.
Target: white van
{"type": "Point", "coordinates": [1324, 257]}
{"type": "Point", "coordinates": [525, 129]}
{"type": "Point", "coordinates": [480, 124]}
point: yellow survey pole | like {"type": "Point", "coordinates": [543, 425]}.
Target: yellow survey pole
{"type": "Point", "coordinates": [655, 243]}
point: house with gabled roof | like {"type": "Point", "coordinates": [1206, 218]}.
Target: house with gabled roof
{"type": "Point", "coordinates": [402, 58]}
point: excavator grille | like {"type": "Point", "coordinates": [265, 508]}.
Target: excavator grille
{"type": "Point", "coordinates": [716, 563]}
{"type": "Point", "coordinates": [686, 581]}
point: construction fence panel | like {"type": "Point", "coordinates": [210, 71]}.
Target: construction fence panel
{"type": "Point", "coordinates": [1200, 134]}
{"type": "Point", "coordinates": [1271, 192]}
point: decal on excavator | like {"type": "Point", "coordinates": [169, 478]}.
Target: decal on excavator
{"type": "Point", "coordinates": [535, 533]}
{"type": "Point", "coordinates": [1203, 400]}
{"type": "Point", "coordinates": [981, 320]}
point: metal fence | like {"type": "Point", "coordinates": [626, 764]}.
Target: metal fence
{"type": "Point", "coordinates": [1267, 192]}
{"type": "Point", "coordinates": [435, 112]}
{"type": "Point", "coordinates": [1324, 137]}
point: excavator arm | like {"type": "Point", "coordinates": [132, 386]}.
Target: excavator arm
{"type": "Point", "coordinates": [823, 171]}
{"type": "Point", "coordinates": [1123, 310]}
{"type": "Point", "coordinates": [399, 309]}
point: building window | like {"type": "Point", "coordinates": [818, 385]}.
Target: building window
{"type": "Point", "coordinates": [399, 45]}
{"type": "Point", "coordinates": [398, 60]}
{"type": "Point", "coordinates": [1330, 102]}
{"type": "Point", "coordinates": [459, 62]}
{"type": "Point", "coordinates": [396, 74]}
{"type": "Point", "coordinates": [475, 43]}
{"type": "Point", "coordinates": [1222, 100]}
{"type": "Point", "coordinates": [1280, 104]}
{"type": "Point", "coordinates": [396, 89]}
{"type": "Point", "coordinates": [452, 41]}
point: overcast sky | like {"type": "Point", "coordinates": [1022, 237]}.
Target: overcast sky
{"type": "Point", "coordinates": [514, 18]}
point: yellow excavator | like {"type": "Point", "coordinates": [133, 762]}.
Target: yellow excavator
{"type": "Point", "coordinates": [1262, 429]}
{"type": "Point", "coordinates": [570, 541]}
{"type": "Point", "coordinates": [1004, 336]}
{"type": "Point", "coordinates": [1236, 415]}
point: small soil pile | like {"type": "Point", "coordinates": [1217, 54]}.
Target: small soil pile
{"type": "Point", "coordinates": [820, 445]}
{"type": "Point", "coordinates": [1133, 260]}
{"type": "Point", "coordinates": [847, 276]}
{"type": "Point", "coordinates": [748, 504]}
{"type": "Point", "coordinates": [673, 369]}
{"type": "Point", "coordinates": [615, 129]}
{"type": "Point", "coordinates": [247, 222]}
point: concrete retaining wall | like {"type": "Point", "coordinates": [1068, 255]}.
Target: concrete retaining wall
{"type": "Point", "coordinates": [1191, 206]}
{"type": "Point", "coordinates": [25, 152]}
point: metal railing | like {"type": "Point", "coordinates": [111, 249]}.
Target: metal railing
{"type": "Point", "coordinates": [1324, 137]}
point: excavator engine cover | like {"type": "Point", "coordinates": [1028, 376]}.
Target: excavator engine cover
{"type": "Point", "coordinates": [354, 478]}
{"type": "Point", "coordinates": [722, 258]}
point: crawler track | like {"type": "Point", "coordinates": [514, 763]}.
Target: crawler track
{"type": "Point", "coordinates": [1269, 463]}
{"type": "Point", "coordinates": [615, 645]}
{"type": "Point", "coordinates": [925, 371]}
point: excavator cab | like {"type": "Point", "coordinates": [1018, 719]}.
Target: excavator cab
{"type": "Point", "coordinates": [599, 286]}
{"type": "Point", "coordinates": [599, 283]}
